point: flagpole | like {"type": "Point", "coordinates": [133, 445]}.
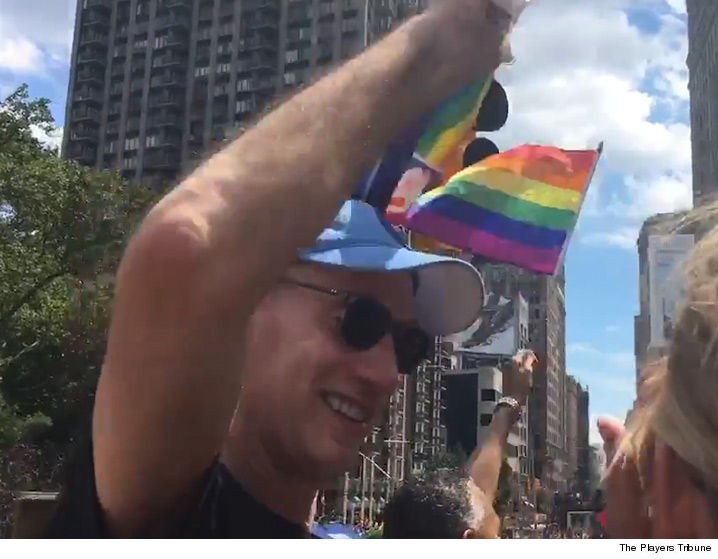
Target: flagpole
{"type": "Point", "coordinates": [589, 180]}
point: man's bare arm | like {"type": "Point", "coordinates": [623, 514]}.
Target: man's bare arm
{"type": "Point", "coordinates": [211, 249]}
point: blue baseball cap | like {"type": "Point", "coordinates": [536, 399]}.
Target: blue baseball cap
{"type": "Point", "coordinates": [450, 292]}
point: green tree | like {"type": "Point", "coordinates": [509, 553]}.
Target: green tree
{"type": "Point", "coordinates": [454, 459]}
{"type": "Point", "coordinates": [62, 230]}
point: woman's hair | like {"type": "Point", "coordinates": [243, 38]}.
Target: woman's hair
{"type": "Point", "coordinates": [679, 395]}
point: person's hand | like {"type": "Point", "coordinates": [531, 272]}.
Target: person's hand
{"type": "Point", "coordinates": [626, 510]}
{"type": "Point", "coordinates": [517, 378]}
{"type": "Point", "coordinates": [487, 20]}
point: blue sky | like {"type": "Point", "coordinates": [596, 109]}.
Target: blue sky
{"type": "Point", "coordinates": [586, 71]}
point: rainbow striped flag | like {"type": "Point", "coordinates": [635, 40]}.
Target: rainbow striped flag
{"type": "Point", "coordinates": [519, 206]}
{"type": "Point", "coordinates": [436, 143]}
{"type": "Point", "coordinates": [450, 129]}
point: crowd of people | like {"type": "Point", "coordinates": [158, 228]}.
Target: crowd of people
{"type": "Point", "coordinates": [262, 319]}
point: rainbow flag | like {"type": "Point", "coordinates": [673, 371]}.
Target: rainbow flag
{"type": "Point", "coordinates": [519, 206]}
{"type": "Point", "coordinates": [450, 128]}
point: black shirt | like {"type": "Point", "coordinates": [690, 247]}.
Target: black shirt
{"type": "Point", "coordinates": [223, 510]}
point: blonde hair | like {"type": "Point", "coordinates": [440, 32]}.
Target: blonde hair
{"type": "Point", "coordinates": [680, 393]}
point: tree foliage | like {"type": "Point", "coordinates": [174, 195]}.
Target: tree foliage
{"type": "Point", "coordinates": [62, 229]}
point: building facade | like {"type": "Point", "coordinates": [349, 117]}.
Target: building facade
{"type": "Point", "coordinates": [571, 427]}
{"type": "Point", "coordinates": [660, 252]}
{"type": "Point", "coordinates": [547, 332]}
{"type": "Point", "coordinates": [703, 86]}
{"type": "Point", "coordinates": [154, 84]}
{"type": "Point", "coordinates": [547, 447]}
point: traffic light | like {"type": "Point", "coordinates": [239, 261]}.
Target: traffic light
{"type": "Point", "coordinates": [492, 117]}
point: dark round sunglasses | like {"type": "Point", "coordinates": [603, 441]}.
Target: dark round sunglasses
{"type": "Point", "coordinates": [366, 322]}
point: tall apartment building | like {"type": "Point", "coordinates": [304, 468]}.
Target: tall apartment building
{"type": "Point", "coordinates": [583, 470]}
{"type": "Point", "coordinates": [571, 425]}
{"type": "Point", "coordinates": [703, 86]}
{"type": "Point", "coordinates": [577, 400]}
{"type": "Point", "coordinates": [155, 83]}
{"type": "Point", "coordinates": [547, 331]}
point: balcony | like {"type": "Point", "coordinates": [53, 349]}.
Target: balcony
{"type": "Point", "coordinates": [169, 100]}
{"type": "Point", "coordinates": [93, 18]}
{"type": "Point", "coordinates": [82, 153]}
{"type": "Point", "coordinates": [85, 113]}
{"type": "Point", "coordinates": [262, 22]}
{"type": "Point", "coordinates": [167, 79]}
{"type": "Point", "coordinates": [255, 84]}
{"type": "Point", "coordinates": [92, 56]}
{"type": "Point", "coordinates": [87, 95]}
{"type": "Point", "coordinates": [175, 5]}
{"type": "Point", "coordinates": [133, 125]}
{"type": "Point", "coordinates": [84, 133]}
{"type": "Point", "coordinates": [171, 20]}
{"type": "Point", "coordinates": [257, 62]}
{"type": "Point", "coordinates": [167, 139]}
{"type": "Point", "coordinates": [258, 43]}
{"type": "Point", "coordinates": [167, 60]}
{"type": "Point", "coordinates": [165, 119]}
{"type": "Point", "coordinates": [112, 129]}
{"type": "Point", "coordinates": [162, 159]}
{"type": "Point", "coordinates": [118, 70]}
{"type": "Point", "coordinates": [90, 74]}
{"type": "Point", "coordinates": [91, 37]}
{"type": "Point", "coordinates": [100, 5]}
{"type": "Point", "coordinates": [261, 5]}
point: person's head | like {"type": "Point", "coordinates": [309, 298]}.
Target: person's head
{"type": "Point", "coordinates": [442, 505]}
{"type": "Point", "coordinates": [674, 437]}
{"type": "Point", "coordinates": [328, 342]}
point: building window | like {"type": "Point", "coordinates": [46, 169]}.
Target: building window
{"type": "Point", "coordinates": [485, 419]}
{"type": "Point", "coordinates": [490, 395]}
{"type": "Point", "coordinates": [132, 143]}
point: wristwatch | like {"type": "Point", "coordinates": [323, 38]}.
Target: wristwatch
{"type": "Point", "coordinates": [512, 404]}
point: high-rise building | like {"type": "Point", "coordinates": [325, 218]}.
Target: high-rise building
{"type": "Point", "coordinates": [660, 252]}
{"type": "Point", "coordinates": [155, 83]}
{"type": "Point", "coordinates": [577, 447]}
{"type": "Point", "coordinates": [547, 331]}
{"type": "Point", "coordinates": [703, 86]}
{"type": "Point", "coordinates": [583, 470]}
{"type": "Point", "coordinates": [571, 426]}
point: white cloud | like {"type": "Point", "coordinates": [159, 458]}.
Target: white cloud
{"type": "Point", "coordinates": [20, 55]}
{"type": "Point", "coordinates": [51, 140]}
{"type": "Point", "coordinates": [584, 74]}
{"type": "Point", "coordinates": [35, 35]}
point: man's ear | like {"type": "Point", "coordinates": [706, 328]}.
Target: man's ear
{"type": "Point", "coordinates": [469, 534]}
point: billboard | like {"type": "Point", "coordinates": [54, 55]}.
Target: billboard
{"type": "Point", "coordinates": [499, 330]}
{"type": "Point", "coordinates": [666, 287]}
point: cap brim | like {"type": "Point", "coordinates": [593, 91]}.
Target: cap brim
{"type": "Point", "coordinates": [450, 293]}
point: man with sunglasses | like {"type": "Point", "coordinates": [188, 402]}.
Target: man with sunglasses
{"type": "Point", "coordinates": [253, 347]}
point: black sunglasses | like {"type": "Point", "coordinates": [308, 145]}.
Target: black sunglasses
{"type": "Point", "coordinates": [366, 322]}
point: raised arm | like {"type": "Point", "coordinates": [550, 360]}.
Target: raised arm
{"type": "Point", "coordinates": [210, 250]}
{"type": "Point", "coordinates": [485, 462]}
